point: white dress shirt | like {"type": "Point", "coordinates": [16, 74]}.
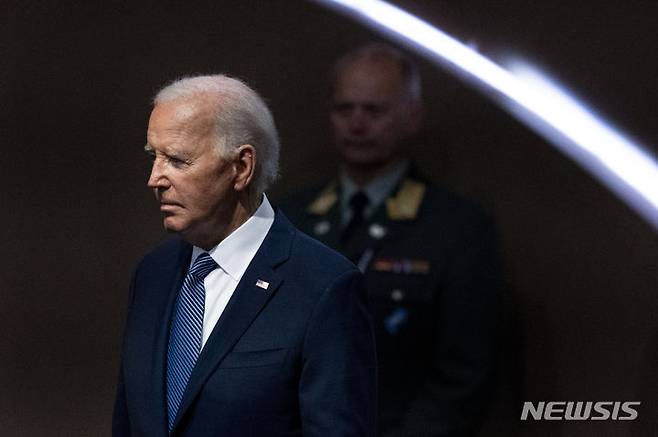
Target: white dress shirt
{"type": "Point", "coordinates": [233, 255]}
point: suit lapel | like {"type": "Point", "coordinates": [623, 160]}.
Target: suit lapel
{"type": "Point", "coordinates": [243, 307]}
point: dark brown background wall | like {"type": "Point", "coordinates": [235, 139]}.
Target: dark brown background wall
{"type": "Point", "coordinates": [76, 79]}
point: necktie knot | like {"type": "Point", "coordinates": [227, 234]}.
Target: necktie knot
{"type": "Point", "coordinates": [358, 203]}
{"type": "Point", "coordinates": [202, 266]}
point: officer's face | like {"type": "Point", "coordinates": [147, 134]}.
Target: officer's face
{"type": "Point", "coordinates": [371, 115]}
{"type": "Point", "coordinates": [191, 182]}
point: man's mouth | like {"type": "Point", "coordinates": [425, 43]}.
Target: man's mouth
{"type": "Point", "coordinates": [169, 206]}
{"type": "Point", "coordinates": [359, 144]}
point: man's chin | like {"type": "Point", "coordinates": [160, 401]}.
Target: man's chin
{"type": "Point", "coordinates": [364, 161]}
{"type": "Point", "coordinates": [363, 156]}
{"type": "Point", "coordinates": [172, 225]}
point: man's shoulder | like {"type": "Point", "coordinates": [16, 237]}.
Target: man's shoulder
{"type": "Point", "coordinates": [449, 219]}
{"type": "Point", "coordinates": [427, 208]}
{"type": "Point", "coordinates": [420, 199]}
{"type": "Point", "coordinates": [443, 201]}
{"type": "Point", "coordinates": [310, 261]}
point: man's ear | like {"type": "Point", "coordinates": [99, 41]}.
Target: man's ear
{"type": "Point", "coordinates": [245, 167]}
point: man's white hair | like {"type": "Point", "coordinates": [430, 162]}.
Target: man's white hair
{"type": "Point", "coordinates": [241, 117]}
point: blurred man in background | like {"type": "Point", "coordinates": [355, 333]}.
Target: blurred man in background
{"type": "Point", "coordinates": [430, 257]}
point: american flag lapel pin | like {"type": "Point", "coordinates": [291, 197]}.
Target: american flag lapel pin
{"type": "Point", "coordinates": [262, 284]}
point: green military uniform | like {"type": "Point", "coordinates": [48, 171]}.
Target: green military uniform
{"type": "Point", "coordinates": [432, 272]}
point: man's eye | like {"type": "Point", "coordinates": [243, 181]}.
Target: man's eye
{"type": "Point", "coordinates": [176, 162]}
{"type": "Point", "coordinates": [374, 110]}
{"type": "Point", "coordinates": [343, 108]}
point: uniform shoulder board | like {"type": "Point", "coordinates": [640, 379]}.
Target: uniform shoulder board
{"type": "Point", "coordinates": [405, 204]}
{"type": "Point", "coordinates": [325, 200]}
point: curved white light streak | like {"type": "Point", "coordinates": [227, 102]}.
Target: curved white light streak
{"type": "Point", "coordinates": [621, 165]}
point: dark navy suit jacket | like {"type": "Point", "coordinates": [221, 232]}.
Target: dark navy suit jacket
{"type": "Point", "coordinates": [295, 359]}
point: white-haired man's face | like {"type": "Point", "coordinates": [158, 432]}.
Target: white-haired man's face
{"type": "Point", "coordinates": [192, 184]}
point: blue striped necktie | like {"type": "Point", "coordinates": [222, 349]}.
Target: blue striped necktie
{"type": "Point", "coordinates": [186, 333]}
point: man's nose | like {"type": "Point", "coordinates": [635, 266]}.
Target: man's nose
{"type": "Point", "coordinates": [157, 178]}
{"type": "Point", "coordinates": [358, 123]}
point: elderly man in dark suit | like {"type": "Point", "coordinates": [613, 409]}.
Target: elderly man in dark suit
{"type": "Point", "coordinates": [429, 256]}
{"type": "Point", "coordinates": [240, 326]}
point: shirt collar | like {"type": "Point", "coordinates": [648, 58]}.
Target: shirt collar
{"type": "Point", "coordinates": [234, 253]}
{"type": "Point", "coordinates": [377, 189]}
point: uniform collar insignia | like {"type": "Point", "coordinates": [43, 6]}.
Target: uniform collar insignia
{"type": "Point", "coordinates": [405, 204]}
{"type": "Point", "coordinates": [323, 203]}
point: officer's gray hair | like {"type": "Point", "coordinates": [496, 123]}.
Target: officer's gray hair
{"type": "Point", "coordinates": [241, 117]}
{"type": "Point", "coordinates": [375, 52]}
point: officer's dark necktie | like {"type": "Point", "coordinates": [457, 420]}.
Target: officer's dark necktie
{"type": "Point", "coordinates": [186, 333]}
{"type": "Point", "coordinates": [358, 203]}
